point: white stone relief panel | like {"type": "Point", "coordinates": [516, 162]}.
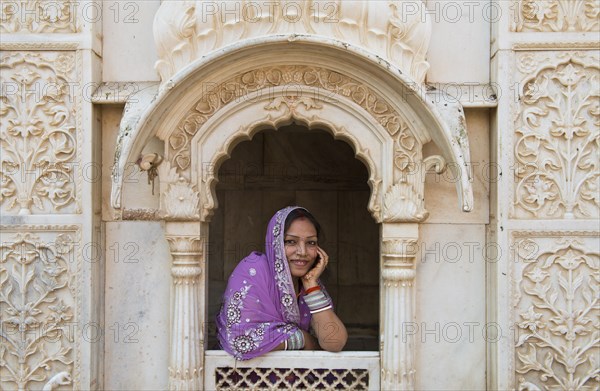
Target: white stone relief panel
{"type": "Point", "coordinates": [264, 80]}
{"type": "Point", "coordinates": [557, 136]}
{"type": "Point", "coordinates": [39, 136]}
{"type": "Point", "coordinates": [38, 16]}
{"type": "Point", "coordinates": [40, 301]}
{"type": "Point", "coordinates": [186, 31]}
{"type": "Point", "coordinates": [556, 15]}
{"type": "Point", "coordinates": [556, 294]}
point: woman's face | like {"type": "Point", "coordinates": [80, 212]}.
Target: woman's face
{"type": "Point", "coordinates": [301, 246]}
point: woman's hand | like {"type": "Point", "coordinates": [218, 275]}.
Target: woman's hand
{"type": "Point", "coordinates": [310, 342]}
{"type": "Point", "coordinates": [310, 278]}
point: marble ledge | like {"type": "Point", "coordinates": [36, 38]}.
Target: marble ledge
{"type": "Point", "coordinates": [55, 42]}
{"type": "Point", "coordinates": [470, 95]}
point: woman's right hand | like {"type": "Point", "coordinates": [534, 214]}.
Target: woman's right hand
{"type": "Point", "coordinates": [310, 342]}
{"type": "Point", "coordinates": [310, 279]}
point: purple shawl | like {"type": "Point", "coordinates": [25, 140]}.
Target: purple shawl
{"type": "Point", "coordinates": [259, 308]}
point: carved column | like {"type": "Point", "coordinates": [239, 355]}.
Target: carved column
{"type": "Point", "coordinates": [398, 275]}
{"type": "Point", "coordinates": [186, 363]}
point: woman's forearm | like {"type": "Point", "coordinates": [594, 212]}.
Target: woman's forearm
{"type": "Point", "coordinates": [310, 343]}
{"type": "Point", "coordinates": [330, 330]}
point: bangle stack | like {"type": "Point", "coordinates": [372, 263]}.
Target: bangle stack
{"type": "Point", "coordinates": [316, 300]}
{"type": "Point", "coordinates": [295, 341]}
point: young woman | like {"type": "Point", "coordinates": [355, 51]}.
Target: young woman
{"type": "Point", "coordinates": [272, 300]}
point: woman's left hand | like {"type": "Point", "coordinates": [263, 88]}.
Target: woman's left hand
{"type": "Point", "coordinates": [311, 277]}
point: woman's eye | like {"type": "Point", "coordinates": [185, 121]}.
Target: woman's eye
{"type": "Point", "coordinates": [312, 243]}
{"type": "Point", "coordinates": [289, 242]}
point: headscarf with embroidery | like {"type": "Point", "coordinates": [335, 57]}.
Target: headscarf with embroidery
{"type": "Point", "coordinates": [259, 308]}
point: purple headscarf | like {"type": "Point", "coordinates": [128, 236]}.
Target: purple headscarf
{"type": "Point", "coordinates": [259, 308]}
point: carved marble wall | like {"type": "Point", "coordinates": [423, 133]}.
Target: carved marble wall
{"type": "Point", "coordinates": [40, 138]}
{"type": "Point", "coordinates": [41, 301]}
{"type": "Point", "coordinates": [556, 158]}
{"type": "Point", "coordinates": [545, 208]}
{"type": "Point", "coordinates": [541, 248]}
{"type": "Point", "coordinates": [186, 31]}
{"type": "Point", "coordinates": [555, 302]}
{"type": "Point", "coordinates": [50, 240]}
{"type": "Point", "coordinates": [556, 15]}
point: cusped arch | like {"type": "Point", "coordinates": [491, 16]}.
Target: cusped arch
{"type": "Point", "coordinates": [305, 106]}
{"type": "Point", "coordinates": [335, 81]}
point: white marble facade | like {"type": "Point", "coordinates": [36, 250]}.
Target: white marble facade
{"type": "Point", "coordinates": [477, 123]}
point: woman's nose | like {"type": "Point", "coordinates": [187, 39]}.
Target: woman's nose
{"type": "Point", "coordinates": [300, 248]}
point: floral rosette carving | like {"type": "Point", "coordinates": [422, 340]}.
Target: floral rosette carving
{"type": "Point", "coordinates": [557, 145]}
{"type": "Point", "coordinates": [38, 16]}
{"type": "Point", "coordinates": [37, 333]}
{"type": "Point", "coordinates": [557, 15]}
{"type": "Point", "coordinates": [263, 80]}
{"type": "Point", "coordinates": [38, 140]}
{"type": "Point", "coordinates": [558, 323]}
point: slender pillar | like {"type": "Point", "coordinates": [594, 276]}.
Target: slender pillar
{"type": "Point", "coordinates": [399, 326]}
{"type": "Point", "coordinates": [186, 363]}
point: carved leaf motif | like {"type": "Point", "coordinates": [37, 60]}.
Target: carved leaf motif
{"type": "Point", "coordinates": [33, 275]}
{"type": "Point", "coordinates": [558, 333]}
{"type": "Point", "coordinates": [403, 203]}
{"type": "Point", "coordinates": [557, 145]}
{"type": "Point", "coordinates": [557, 15]}
{"type": "Point", "coordinates": [181, 201]}
{"type": "Point", "coordinates": [37, 134]}
{"type": "Point", "coordinates": [38, 16]}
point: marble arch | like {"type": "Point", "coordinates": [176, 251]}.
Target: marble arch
{"type": "Point", "coordinates": [208, 106]}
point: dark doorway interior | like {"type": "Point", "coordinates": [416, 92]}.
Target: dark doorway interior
{"type": "Point", "coordinates": [298, 166]}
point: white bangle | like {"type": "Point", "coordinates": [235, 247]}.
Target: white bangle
{"type": "Point", "coordinates": [321, 309]}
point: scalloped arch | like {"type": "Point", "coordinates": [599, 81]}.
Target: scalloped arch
{"type": "Point", "coordinates": [393, 106]}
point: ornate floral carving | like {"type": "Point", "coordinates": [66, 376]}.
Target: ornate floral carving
{"type": "Point", "coordinates": [557, 15]}
{"type": "Point", "coordinates": [267, 78]}
{"type": "Point", "coordinates": [557, 295]}
{"type": "Point", "coordinates": [179, 200]}
{"type": "Point", "coordinates": [185, 245]}
{"type": "Point", "coordinates": [38, 296]}
{"type": "Point", "coordinates": [292, 102]}
{"type": "Point", "coordinates": [38, 138]}
{"type": "Point", "coordinates": [38, 16]}
{"type": "Point", "coordinates": [558, 138]}
{"type": "Point", "coordinates": [403, 202]}
{"type": "Point", "coordinates": [186, 31]}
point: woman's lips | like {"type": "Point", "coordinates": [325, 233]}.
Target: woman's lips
{"type": "Point", "coordinates": [299, 263]}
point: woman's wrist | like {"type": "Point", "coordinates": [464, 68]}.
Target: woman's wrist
{"type": "Point", "coordinates": [295, 341]}
{"type": "Point", "coordinates": [307, 284]}
{"type": "Point", "coordinates": [317, 301]}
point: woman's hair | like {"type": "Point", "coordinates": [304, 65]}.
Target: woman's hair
{"type": "Point", "coordinates": [300, 213]}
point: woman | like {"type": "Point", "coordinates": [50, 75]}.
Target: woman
{"type": "Point", "coordinates": [272, 299]}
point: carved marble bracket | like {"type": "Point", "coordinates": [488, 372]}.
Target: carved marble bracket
{"type": "Point", "coordinates": [404, 201]}
{"type": "Point", "coordinates": [178, 198]}
{"type": "Point", "coordinates": [186, 362]}
{"type": "Point", "coordinates": [398, 273]}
